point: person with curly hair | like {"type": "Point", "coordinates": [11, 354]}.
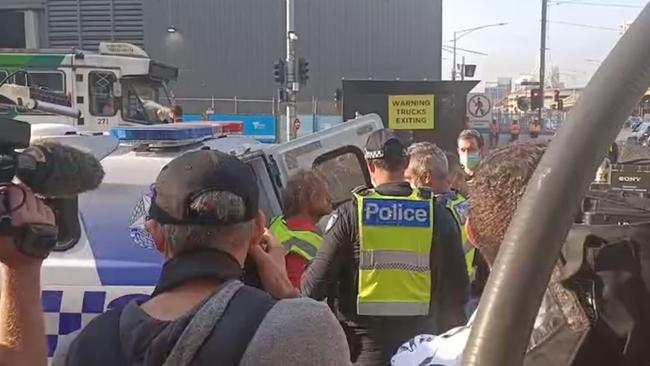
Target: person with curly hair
{"type": "Point", "coordinates": [305, 200]}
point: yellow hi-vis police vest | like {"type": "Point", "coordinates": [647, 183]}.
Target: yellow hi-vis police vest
{"type": "Point", "coordinates": [458, 206]}
{"type": "Point", "coordinates": [302, 242]}
{"type": "Point", "coordinates": [395, 236]}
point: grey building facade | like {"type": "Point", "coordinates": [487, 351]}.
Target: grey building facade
{"type": "Point", "coordinates": [226, 48]}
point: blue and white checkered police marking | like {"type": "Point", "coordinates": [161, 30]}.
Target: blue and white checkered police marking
{"type": "Point", "coordinates": [67, 311]}
{"type": "Point", "coordinates": [396, 212]}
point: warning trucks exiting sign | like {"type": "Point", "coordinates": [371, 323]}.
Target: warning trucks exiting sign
{"type": "Point", "coordinates": [410, 112]}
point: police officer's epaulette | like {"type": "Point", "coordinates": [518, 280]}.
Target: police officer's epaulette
{"type": "Point", "coordinates": [425, 193]}
{"type": "Point", "coordinates": [362, 190]}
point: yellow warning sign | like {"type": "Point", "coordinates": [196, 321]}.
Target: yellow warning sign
{"type": "Point", "coordinates": [410, 112]}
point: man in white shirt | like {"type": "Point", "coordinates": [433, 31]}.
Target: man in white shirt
{"type": "Point", "coordinates": [499, 184]}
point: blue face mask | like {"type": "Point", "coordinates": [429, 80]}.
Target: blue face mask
{"type": "Point", "coordinates": [470, 160]}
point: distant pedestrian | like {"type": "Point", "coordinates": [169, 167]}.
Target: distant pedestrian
{"type": "Point", "coordinates": [515, 130]}
{"type": "Point", "coordinates": [495, 130]}
{"type": "Point", "coordinates": [535, 129]}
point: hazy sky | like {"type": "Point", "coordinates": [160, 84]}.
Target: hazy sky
{"type": "Point", "coordinates": [513, 49]}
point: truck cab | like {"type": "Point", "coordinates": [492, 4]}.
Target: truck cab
{"type": "Point", "coordinates": [105, 259]}
{"type": "Point", "coordinates": [118, 85]}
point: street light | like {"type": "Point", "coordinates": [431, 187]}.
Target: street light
{"type": "Point", "coordinates": [462, 33]}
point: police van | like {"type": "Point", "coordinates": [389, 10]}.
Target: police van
{"type": "Point", "coordinates": [104, 258]}
{"type": "Point", "coordinates": [118, 85]}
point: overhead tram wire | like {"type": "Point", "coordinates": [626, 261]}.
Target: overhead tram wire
{"type": "Point", "coordinates": [584, 25]}
{"type": "Point", "coordinates": [610, 5]}
{"type": "Point", "coordinates": [450, 49]}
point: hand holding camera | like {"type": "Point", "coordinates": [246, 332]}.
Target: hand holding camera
{"type": "Point", "coordinates": [31, 221]}
{"type": "Point", "coordinates": [48, 168]}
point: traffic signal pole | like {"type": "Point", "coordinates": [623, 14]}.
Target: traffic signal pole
{"type": "Point", "coordinates": [291, 79]}
{"type": "Point", "coordinates": [542, 59]}
{"type": "Point", "coordinates": [453, 67]}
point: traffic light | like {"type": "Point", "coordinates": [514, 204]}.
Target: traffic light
{"type": "Point", "coordinates": [469, 71]}
{"type": "Point", "coordinates": [535, 99]}
{"type": "Point", "coordinates": [303, 71]}
{"type": "Point", "coordinates": [280, 71]}
{"type": "Point", "coordinates": [338, 95]}
{"type": "Point", "coordinates": [282, 95]}
{"type": "Point", "coordinates": [523, 104]}
{"type": "Point", "coordinates": [560, 105]}
{"type": "Point", "coordinates": [556, 96]}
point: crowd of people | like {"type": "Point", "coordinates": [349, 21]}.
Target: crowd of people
{"type": "Point", "coordinates": [392, 278]}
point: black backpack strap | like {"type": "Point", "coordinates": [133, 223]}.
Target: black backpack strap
{"type": "Point", "coordinates": [104, 330]}
{"type": "Point", "coordinates": [237, 327]}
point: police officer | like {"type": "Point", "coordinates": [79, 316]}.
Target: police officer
{"type": "Point", "coordinates": [395, 258]}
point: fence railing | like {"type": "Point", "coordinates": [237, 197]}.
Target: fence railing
{"type": "Point", "coordinates": [235, 105]}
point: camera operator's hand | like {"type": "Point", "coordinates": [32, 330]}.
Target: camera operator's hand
{"type": "Point", "coordinates": [32, 211]}
{"type": "Point", "coordinates": [271, 267]}
{"type": "Point", "coordinates": [22, 327]}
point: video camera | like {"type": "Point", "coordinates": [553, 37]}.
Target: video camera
{"type": "Point", "coordinates": [35, 240]}
{"type": "Point", "coordinates": [56, 172]}
{"type": "Point", "coordinates": [619, 195]}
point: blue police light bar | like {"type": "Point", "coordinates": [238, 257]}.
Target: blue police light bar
{"type": "Point", "coordinates": [162, 133]}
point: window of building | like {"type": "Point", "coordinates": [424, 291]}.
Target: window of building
{"type": "Point", "coordinates": [100, 89]}
{"type": "Point", "coordinates": [343, 170]}
{"type": "Point", "coordinates": [12, 29]}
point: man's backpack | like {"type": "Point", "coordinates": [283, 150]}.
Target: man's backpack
{"type": "Point", "coordinates": [218, 334]}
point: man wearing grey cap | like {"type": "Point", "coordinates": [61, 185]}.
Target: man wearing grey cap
{"type": "Point", "coordinates": [394, 258]}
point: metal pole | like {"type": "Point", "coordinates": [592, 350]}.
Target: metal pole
{"type": "Point", "coordinates": [501, 331]}
{"type": "Point", "coordinates": [462, 69]}
{"type": "Point", "coordinates": [453, 66]}
{"type": "Point", "coordinates": [314, 109]}
{"type": "Point", "coordinates": [542, 59]}
{"type": "Point", "coordinates": [292, 82]}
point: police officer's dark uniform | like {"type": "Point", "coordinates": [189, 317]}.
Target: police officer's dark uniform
{"type": "Point", "coordinates": [398, 272]}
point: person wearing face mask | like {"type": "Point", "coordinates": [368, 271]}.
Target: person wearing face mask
{"type": "Point", "coordinates": [394, 258]}
{"type": "Point", "coordinates": [470, 151]}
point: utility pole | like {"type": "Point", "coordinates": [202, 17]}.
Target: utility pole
{"type": "Point", "coordinates": [462, 69]}
{"type": "Point", "coordinates": [453, 67]}
{"type": "Point", "coordinates": [542, 58]}
{"type": "Point", "coordinates": [292, 81]}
